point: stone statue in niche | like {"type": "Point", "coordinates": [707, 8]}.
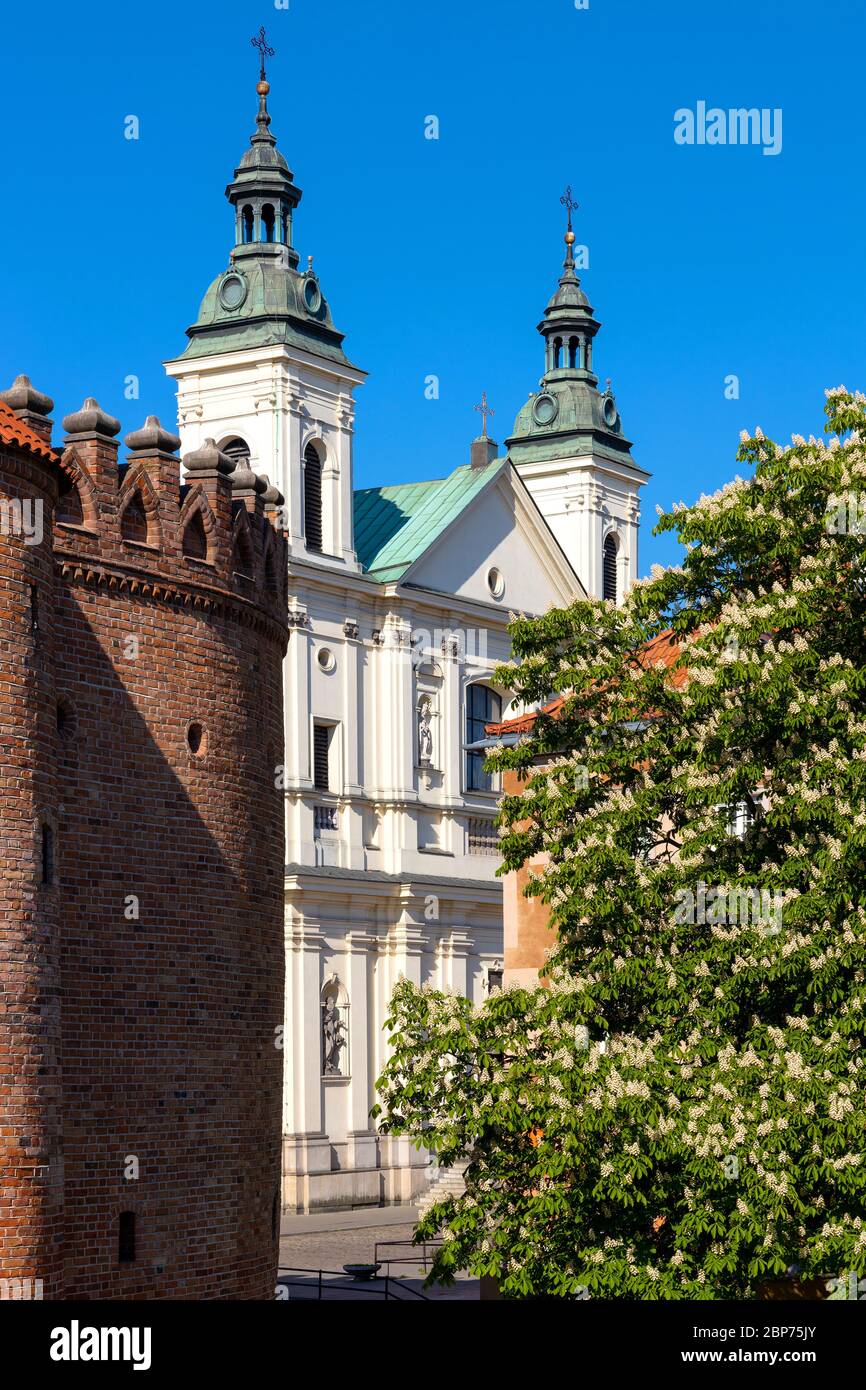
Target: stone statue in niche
{"type": "Point", "coordinates": [425, 734]}
{"type": "Point", "coordinates": [333, 1036]}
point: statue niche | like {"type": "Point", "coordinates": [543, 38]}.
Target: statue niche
{"type": "Point", "coordinates": [335, 1031]}
{"type": "Point", "coordinates": [425, 732]}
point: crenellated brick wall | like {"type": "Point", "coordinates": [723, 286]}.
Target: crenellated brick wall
{"type": "Point", "coordinates": [150, 717]}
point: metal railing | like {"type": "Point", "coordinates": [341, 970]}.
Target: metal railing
{"type": "Point", "coordinates": [319, 1284]}
{"type": "Point", "coordinates": [409, 1259]}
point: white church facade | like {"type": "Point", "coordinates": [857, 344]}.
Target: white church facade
{"type": "Point", "coordinates": [399, 604]}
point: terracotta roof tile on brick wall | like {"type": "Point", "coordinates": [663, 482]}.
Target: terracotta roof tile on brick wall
{"type": "Point", "coordinates": [14, 431]}
{"type": "Point", "coordinates": [664, 648]}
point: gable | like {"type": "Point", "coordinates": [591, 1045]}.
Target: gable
{"type": "Point", "coordinates": [499, 528]}
{"type": "Point", "coordinates": [394, 526]}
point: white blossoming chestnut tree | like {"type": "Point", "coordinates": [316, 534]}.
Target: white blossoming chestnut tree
{"type": "Point", "coordinates": [677, 1110]}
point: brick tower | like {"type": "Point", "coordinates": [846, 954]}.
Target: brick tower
{"type": "Point", "coordinates": [141, 941]}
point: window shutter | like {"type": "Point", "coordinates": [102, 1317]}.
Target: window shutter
{"type": "Point", "coordinates": [609, 574]}
{"type": "Point", "coordinates": [321, 779]}
{"type": "Point", "coordinates": [312, 498]}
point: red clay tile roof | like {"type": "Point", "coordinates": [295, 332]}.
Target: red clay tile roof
{"type": "Point", "coordinates": [524, 722]}
{"type": "Point", "coordinates": [14, 431]}
{"type": "Point", "coordinates": [662, 648]}
{"type": "Point", "coordinates": [665, 648]}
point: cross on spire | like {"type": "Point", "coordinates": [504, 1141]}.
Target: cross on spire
{"type": "Point", "coordinates": [485, 410]}
{"type": "Point", "coordinates": [569, 203]}
{"type": "Point", "coordinates": [265, 51]}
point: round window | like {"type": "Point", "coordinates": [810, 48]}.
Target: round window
{"type": "Point", "coordinates": [495, 582]}
{"type": "Point", "coordinates": [325, 658]}
{"type": "Point", "coordinates": [233, 290]}
{"type": "Point", "coordinates": [544, 409]}
{"type": "Point", "coordinates": [312, 295]}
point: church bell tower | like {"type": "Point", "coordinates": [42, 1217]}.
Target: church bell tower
{"type": "Point", "coordinates": [569, 448]}
{"type": "Point", "coordinates": [264, 373]}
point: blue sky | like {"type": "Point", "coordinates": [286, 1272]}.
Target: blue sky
{"type": "Point", "coordinates": [438, 256]}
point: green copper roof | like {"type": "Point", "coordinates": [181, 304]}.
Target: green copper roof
{"type": "Point", "coordinates": [395, 525]}
{"type": "Point", "coordinates": [273, 308]}
{"type": "Point", "coordinates": [261, 298]}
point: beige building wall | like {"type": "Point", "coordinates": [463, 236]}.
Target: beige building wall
{"type": "Point", "coordinates": [528, 934]}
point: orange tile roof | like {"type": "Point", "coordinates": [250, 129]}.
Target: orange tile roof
{"type": "Point", "coordinates": [664, 648]}
{"type": "Point", "coordinates": [14, 431]}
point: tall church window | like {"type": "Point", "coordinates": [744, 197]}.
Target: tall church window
{"type": "Point", "coordinates": [609, 585]}
{"type": "Point", "coordinates": [312, 498]}
{"type": "Point", "coordinates": [483, 706]}
{"type": "Point", "coordinates": [321, 757]}
{"type": "Point", "coordinates": [268, 222]}
{"type": "Point", "coordinates": [572, 353]}
{"type": "Point", "coordinates": [557, 352]}
{"type": "Point", "coordinates": [247, 216]}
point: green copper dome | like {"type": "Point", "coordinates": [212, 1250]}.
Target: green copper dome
{"type": "Point", "coordinates": [576, 406]}
{"type": "Point", "coordinates": [568, 416]}
{"type": "Point", "coordinates": [262, 299]}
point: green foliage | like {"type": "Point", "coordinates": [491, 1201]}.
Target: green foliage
{"type": "Point", "coordinates": [679, 1113]}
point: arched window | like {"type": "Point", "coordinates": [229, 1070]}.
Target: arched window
{"type": "Point", "coordinates": [312, 498]}
{"type": "Point", "coordinates": [572, 352]}
{"type": "Point", "coordinates": [557, 352]}
{"type": "Point", "coordinates": [237, 449]}
{"type": "Point", "coordinates": [609, 566]}
{"type": "Point", "coordinates": [133, 523]}
{"type": "Point", "coordinates": [194, 538]}
{"type": "Point", "coordinates": [285, 222]}
{"type": "Point", "coordinates": [268, 222]}
{"type": "Point", "coordinates": [247, 216]}
{"type": "Point", "coordinates": [483, 706]}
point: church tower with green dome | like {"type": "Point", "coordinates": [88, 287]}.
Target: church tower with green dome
{"type": "Point", "coordinates": [264, 373]}
{"type": "Point", "coordinates": [569, 447]}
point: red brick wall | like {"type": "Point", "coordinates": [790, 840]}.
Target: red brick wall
{"type": "Point", "coordinates": [170, 1005]}
{"type": "Point", "coordinates": [31, 1190]}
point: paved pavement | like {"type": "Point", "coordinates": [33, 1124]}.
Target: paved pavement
{"type": "Point", "coordinates": [328, 1240]}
